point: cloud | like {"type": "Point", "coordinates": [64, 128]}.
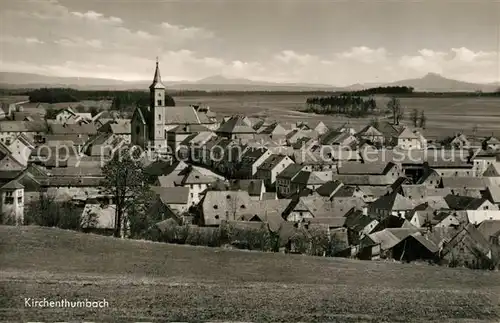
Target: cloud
{"type": "Point", "coordinates": [21, 40]}
{"type": "Point", "coordinates": [364, 54]}
{"type": "Point", "coordinates": [79, 43]}
{"type": "Point", "coordinates": [186, 32]}
{"type": "Point", "coordinates": [459, 63]}
{"type": "Point", "coordinates": [97, 17]}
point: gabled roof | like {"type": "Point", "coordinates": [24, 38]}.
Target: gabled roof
{"type": "Point", "coordinates": [254, 187]}
{"type": "Point", "coordinates": [369, 131]}
{"type": "Point", "coordinates": [456, 202]}
{"type": "Point", "coordinates": [172, 195]}
{"type": "Point", "coordinates": [406, 133]}
{"type": "Point", "coordinates": [393, 202]}
{"type": "Point", "coordinates": [188, 129]}
{"type": "Point", "coordinates": [290, 171]}
{"type": "Point", "coordinates": [489, 228]}
{"type": "Point", "coordinates": [86, 128]}
{"type": "Point", "coordinates": [235, 125]}
{"type": "Point", "coordinates": [23, 126]}
{"type": "Point", "coordinates": [271, 162]}
{"type": "Point", "coordinates": [193, 176]}
{"type": "Point", "coordinates": [329, 188]}
{"type": "Point", "coordinates": [12, 185]}
{"type": "Point", "coordinates": [356, 168]}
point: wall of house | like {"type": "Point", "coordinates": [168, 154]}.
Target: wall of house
{"type": "Point", "coordinates": [447, 222]}
{"type": "Point", "coordinates": [279, 168]}
{"type": "Point", "coordinates": [407, 143]}
{"type": "Point", "coordinates": [455, 172]}
{"type": "Point", "coordinates": [139, 132]}
{"type": "Point", "coordinates": [298, 216]}
{"type": "Point", "coordinates": [480, 164]}
{"type": "Point", "coordinates": [194, 192]}
{"type": "Point", "coordinates": [12, 206]}
{"type": "Point", "coordinates": [476, 217]}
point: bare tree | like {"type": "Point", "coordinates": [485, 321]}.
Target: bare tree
{"type": "Point", "coordinates": [125, 181]}
{"type": "Point", "coordinates": [394, 105]}
{"type": "Point", "coordinates": [422, 119]}
{"type": "Point", "coordinates": [414, 117]}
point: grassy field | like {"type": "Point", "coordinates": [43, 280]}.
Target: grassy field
{"type": "Point", "coordinates": [445, 115]}
{"type": "Point", "coordinates": [145, 281]}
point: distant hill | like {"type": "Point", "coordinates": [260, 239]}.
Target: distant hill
{"type": "Point", "coordinates": [430, 83]}
{"type": "Point", "coordinates": [436, 83]}
{"type": "Point", "coordinates": [212, 83]}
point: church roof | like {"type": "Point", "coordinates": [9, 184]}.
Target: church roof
{"type": "Point", "coordinates": [157, 84]}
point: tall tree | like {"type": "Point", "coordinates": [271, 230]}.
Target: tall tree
{"type": "Point", "coordinates": [414, 117]}
{"type": "Point", "coordinates": [423, 119]}
{"type": "Point", "coordinates": [394, 105]}
{"type": "Point", "coordinates": [125, 181]}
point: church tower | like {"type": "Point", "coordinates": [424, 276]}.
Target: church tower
{"type": "Point", "coordinates": [157, 106]}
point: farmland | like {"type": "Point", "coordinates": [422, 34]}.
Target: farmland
{"type": "Point", "coordinates": [152, 281]}
{"type": "Point", "coordinates": [445, 115]}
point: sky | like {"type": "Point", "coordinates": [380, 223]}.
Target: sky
{"type": "Point", "coordinates": [299, 41]}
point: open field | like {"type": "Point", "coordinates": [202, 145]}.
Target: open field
{"type": "Point", "coordinates": [152, 281]}
{"type": "Point", "coordinates": [445, 115]}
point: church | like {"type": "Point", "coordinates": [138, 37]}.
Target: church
{"type": "Point", "coordinates": [150, 124]}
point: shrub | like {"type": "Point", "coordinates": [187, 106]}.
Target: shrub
{"type": "Point", "coordinates": [49, 213]}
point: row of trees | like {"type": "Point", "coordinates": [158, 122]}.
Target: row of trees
{"type": "Point", "coordinates": [393, 90]}
{"type": "Point", "coordinates": [418, 118]}
{"type": "Point", "coordinates": [353, 106]}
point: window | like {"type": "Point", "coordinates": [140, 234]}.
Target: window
{"type": "Point", "coordinates": [159, 117]}
{"type": "Point", "coordinates": [243, 206]}
{"type": "Point", "coordinates": [216, 207]}
{"type": "Point", "coordinates": [217, 217]}
{"type": "Point", "coordinates": [137, 129]}
{"type": "Point", "coordinates": [192, 195]}
{"type": "Point", "coordinates": [20, 200]}
{"type": "Point", "coordinates": [9, 199]}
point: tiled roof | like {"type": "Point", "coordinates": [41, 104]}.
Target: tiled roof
{"type": "Point", "coordinates": [254, 187]}
{"type": "Point", "coordinates": [355, 168]}
{"type": "Point", "coordinates": [271, 162]}
{"type": "Point", "coordinates": [23, 126]}
{"type": "Point", "coordinates": [235, 125]}
{"type": "Point", "coordinates": [172, 195]}
{"type": "Point", "coordinates": [12, 185]}
{"type": "Point", "coordinates": [87, 129]}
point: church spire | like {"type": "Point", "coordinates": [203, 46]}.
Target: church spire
{"type": "Point", "coordinates": [157, 84]}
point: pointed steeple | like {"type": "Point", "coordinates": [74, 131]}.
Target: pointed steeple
{"type": "Point", "coordinates": [157, 84]}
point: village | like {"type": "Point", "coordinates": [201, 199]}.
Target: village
{"type": "Point", "coordinates": [380, 192]}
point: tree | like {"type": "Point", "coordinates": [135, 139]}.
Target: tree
{"type": "Point", "coordinates": [423, 119]}
{"type": "Point", "coordinates": [395, 107]}
{"type": "Point", "coordinates": [374, 122]}
{"type": "Point", "coordinates": [414, 117]}
{"type": "Point", "coordinates": [400, 115]}
{"type": "Point", "coordinates": [125, 181]}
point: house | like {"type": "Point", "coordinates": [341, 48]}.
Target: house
{"type": "Point", "coordinates": [319, 128]}
{"type": "Point", "coordinates": [459, 140]}
{"type": "Point", "coordinates": [284, 179]}
{"type": "Point", "coordinates": [307, 207]}
{"type": "Point", "coordinates": [490, 229]}
{"type": "Point", "coordinates": [12, 202]}
{"type": "Point", "coordinates": [271, 167]}
{"type": "Point", "coordinates": [358, 225]}
{"type": "Point", "coordinates": [492, 170]}
{"type": "Point", "coordinates": [314, 160]}
{"type": "Point", "coordinates": [373, 174]}
{"type": "Point", "coordinates": [430, 178]}
{"type": "Point", "coordinates": [69, 116]}
{"type": "Point", "coordinates": [218, 206]}
{"type": "Point", "coordinates": [251, 160]}
{"type": "Point", "coordinates": [274, 130]}
{"type": "Point", "coordinates": [463, 246]}
{"type": "Point", "coordinates": [21, 148]}
{"type": "Point", "coordinates": [73, 129]}
{"type": "Point", "coordinates": [456, 167]}
{"type": "Point", "coordinates": [481, 160]}
{"type": "Point", "coordinates": [408, 139]}
{"type": "Point", "coordinates": [458, 183]}
{"type": "Point", "coordinates": [338, 138]}
{"type": "Point", "coordinates": [491, 143]}
{"type": "Point", "coordinates": [149, 125]}
{"type": "Point", "coordinates": [177, 198]}
{"type": "Point", "coordinates": [119, 128]}
{"type": "Point", "coordinates": [176, 135]}
{"type": "Point", "coordinates": [403, 244]}
{"type": "Point", "coordinates": [310, 180]}
{"type": "Point", "coordinates": [9, 130]}
{"type": "Point", "coordinates": [196, 181]}
{"type": "Point", "coordinates": [254, 187]}
{"type": "Point", "coordinates": [236, 128]}
{"type": "Point", "coordinates": [372, 135]}
{"type": "Point", "coordinates": [329, 188]}
{"type": "Point", "coordinates": [103, 144]}
{"type": "Point", "coordinates": [393, 204]}
{"type": "Point", "coordinates": [457, 202]}
{"type": "Point", "coordinates": [100, 218]}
